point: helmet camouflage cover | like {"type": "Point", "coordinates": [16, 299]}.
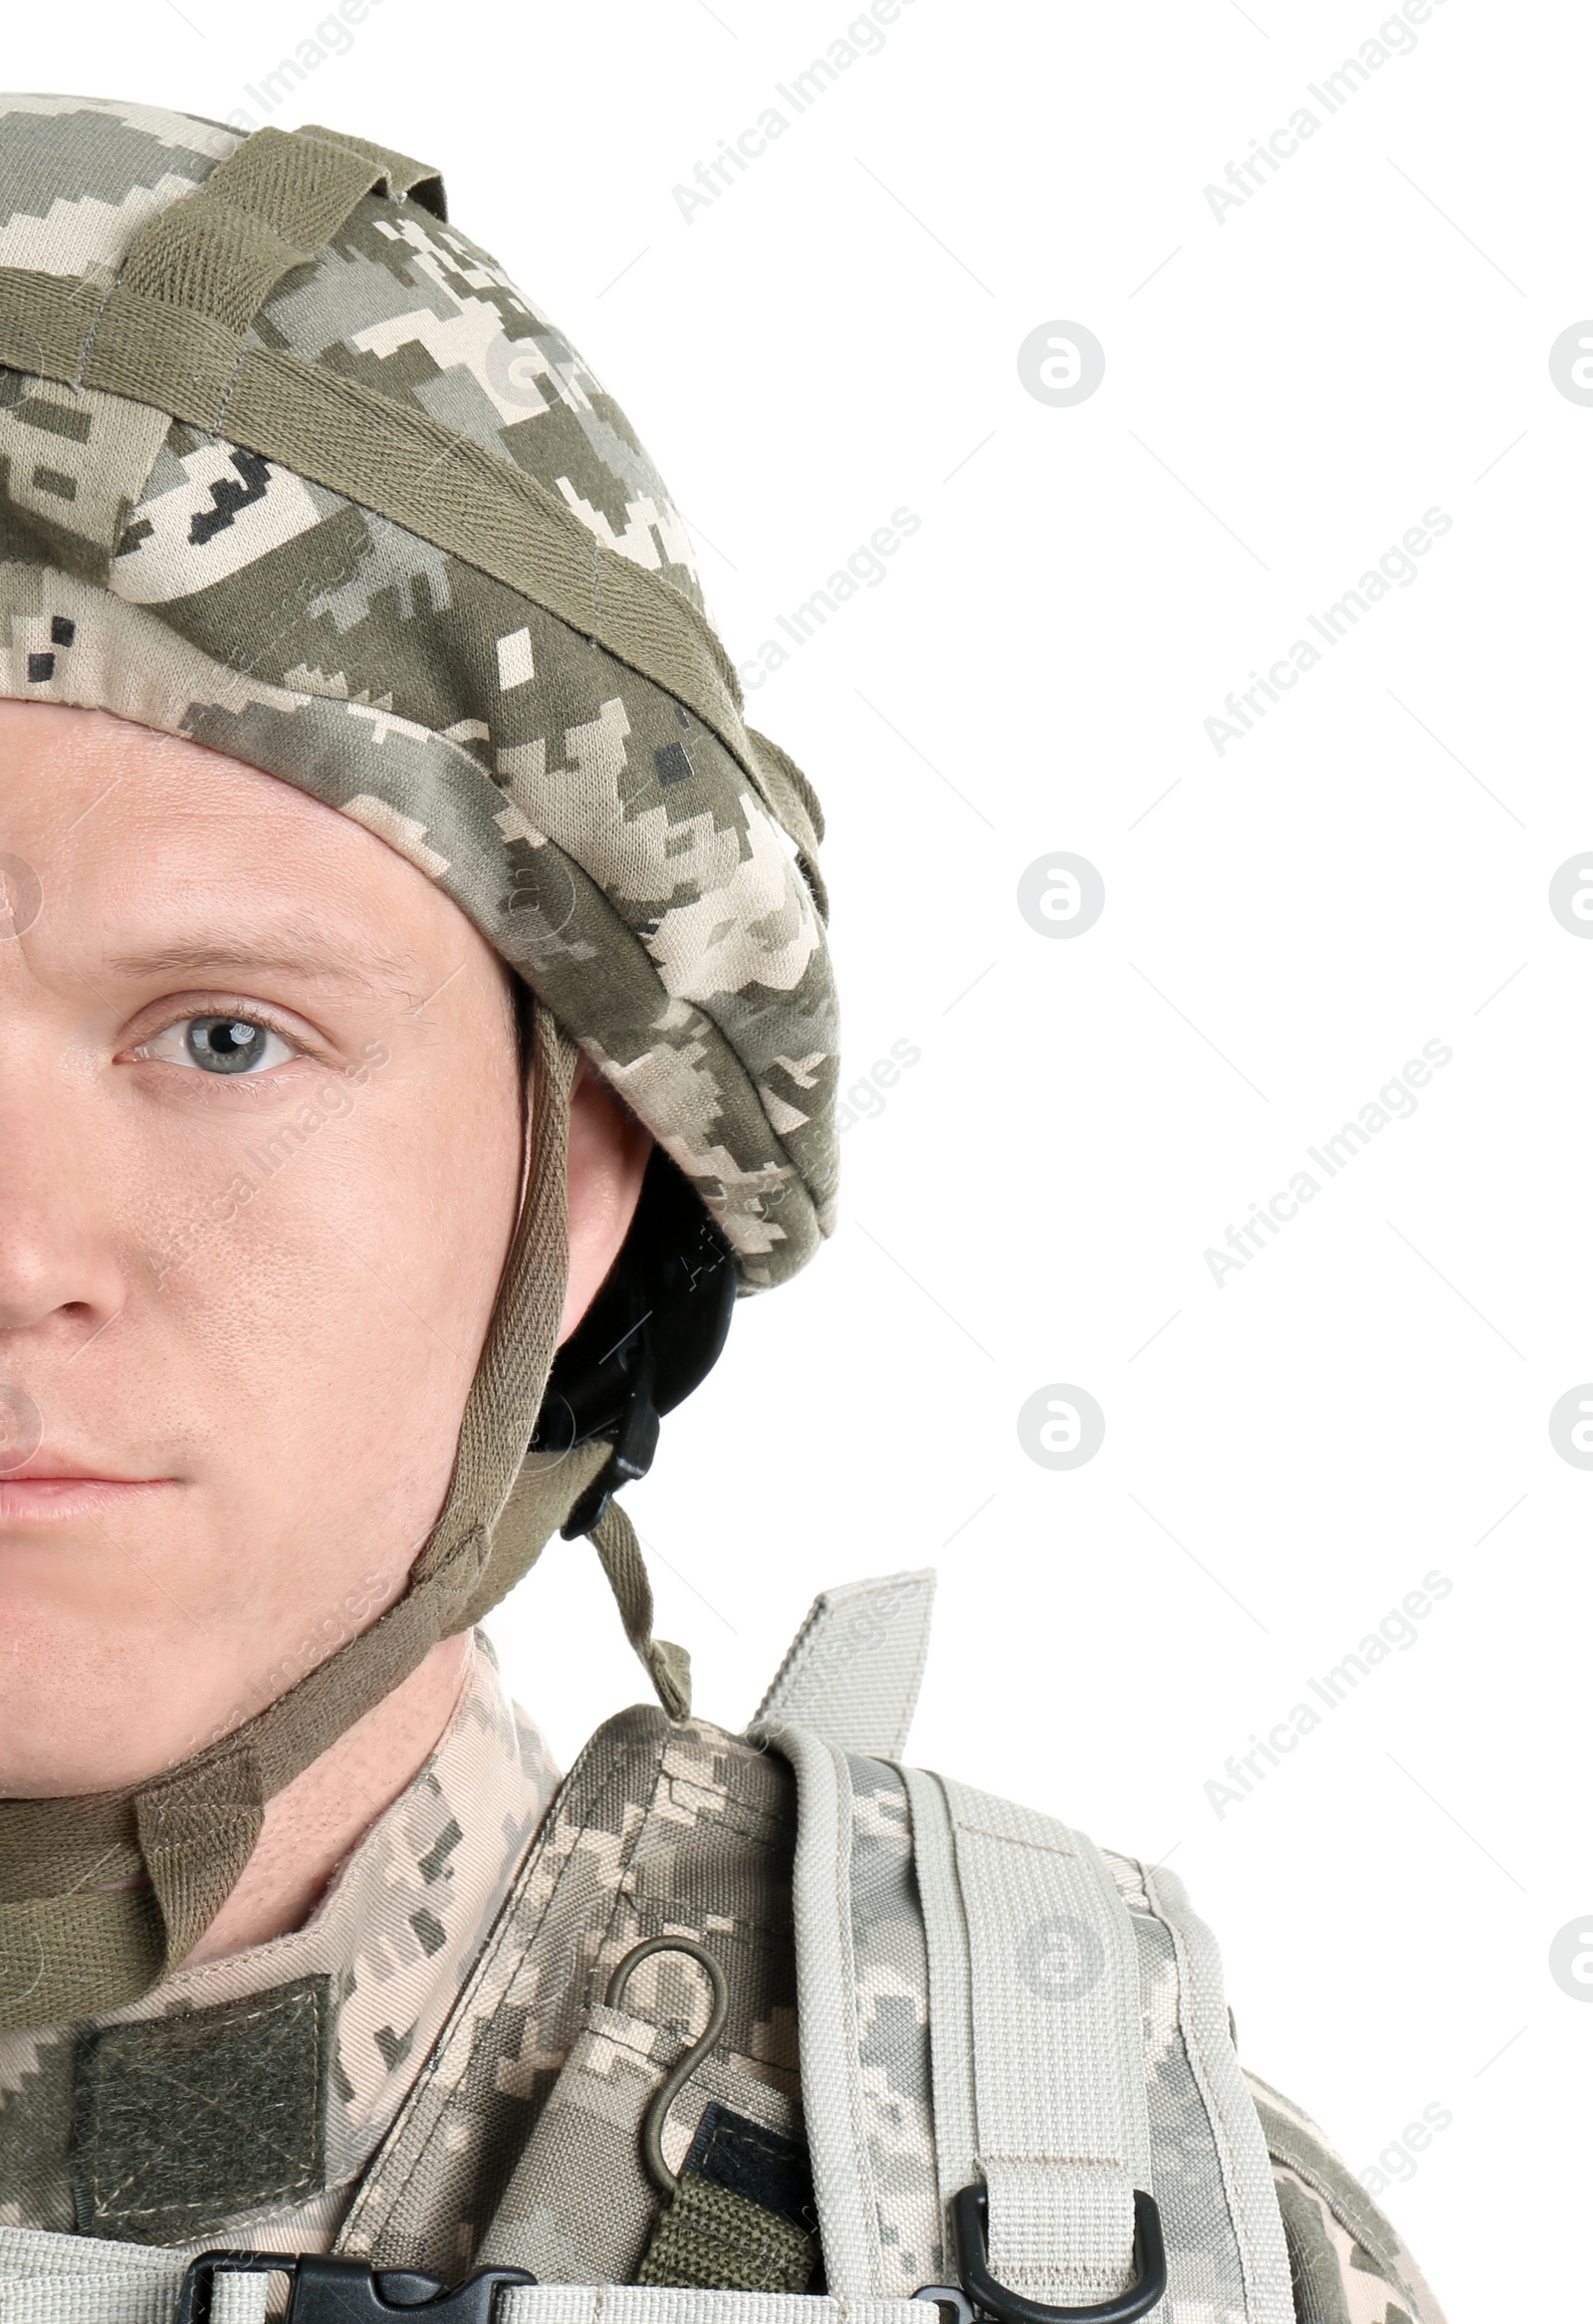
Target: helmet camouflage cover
{"type": "Point", "coordinates": [290, 467]}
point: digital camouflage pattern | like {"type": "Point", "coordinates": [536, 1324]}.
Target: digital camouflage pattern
{"type": "Point", "coordinates": [1348, 2266]}
{"type": "Point", "coordinates": [520, 2136]}
{"type": "Point", "coordinates": [892, 1969]}
{"type": "Point", "coordinates": [396, 1939]}
{"type": "Point", "coordinates": [1348, 2263]}
{"type": "Point", "coordinates": [485, 2103]}
{"type": "Point", "coordinates": [658, 893]}
{"type": "Point", "coordinates": [1205, 2271]}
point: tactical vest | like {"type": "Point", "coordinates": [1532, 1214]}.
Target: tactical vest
{"type": "Point", "coordinates": [1053, 2012]}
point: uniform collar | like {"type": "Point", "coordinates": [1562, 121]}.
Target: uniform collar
{"type": "Point", "coordinates": [366, 1985]}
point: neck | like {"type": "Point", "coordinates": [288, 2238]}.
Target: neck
{"type": "Point", "coordinates": [314, 1823]}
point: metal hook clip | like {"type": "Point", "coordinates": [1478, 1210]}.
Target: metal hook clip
{"type": "Point", "coordinates": [652, 2129]}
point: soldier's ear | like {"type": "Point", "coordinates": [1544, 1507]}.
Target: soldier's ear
{"type": "Point", "coordinates": [609, 1152]}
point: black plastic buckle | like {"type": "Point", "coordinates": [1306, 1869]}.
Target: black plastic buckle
{"type": "Point", "coordinates": [347, 2291]}
{"type": "Point", "coordinates": [953, 2302]}
{"type": "Point", "coordinates": [969, 2228]}
{"type": "Point", "coordinates": [635, 1443]}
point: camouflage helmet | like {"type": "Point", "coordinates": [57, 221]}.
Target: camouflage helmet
{"type": "Point", "coordinates": [290, 468]}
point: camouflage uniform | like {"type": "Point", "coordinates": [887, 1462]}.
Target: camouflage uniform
{"type": "Point", "coordinates": [1350, 2265]}
{"type": "Point", "coordinates": [370, 1976]}
{"type": "Point", "coordinates": [477, 2076]}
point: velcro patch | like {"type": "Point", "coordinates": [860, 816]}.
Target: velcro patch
{"type": "Point", "coordinates": [181, 2122]}
{"type": "Point", "coordinates": [756, 2162]}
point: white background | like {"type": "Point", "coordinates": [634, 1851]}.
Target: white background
{"type": "Point", "coordinates": [1286, 390]}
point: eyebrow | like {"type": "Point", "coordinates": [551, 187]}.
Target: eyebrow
{"type": "Point", "coordinates": [311, 957]}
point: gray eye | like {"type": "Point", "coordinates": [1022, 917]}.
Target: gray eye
{"type": "Point", "coordinates": [219, 1045]}
{"type": "Point", "coordinates": [225, 1044]}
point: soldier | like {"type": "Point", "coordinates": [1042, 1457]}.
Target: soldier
{"type": "Point", "coordinates": [416, 1028]}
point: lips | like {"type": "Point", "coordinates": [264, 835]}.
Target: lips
{"type": "Point", "coordinates": [51, 1486]}
{"type": "Point", "coordinates": [46, 1467]}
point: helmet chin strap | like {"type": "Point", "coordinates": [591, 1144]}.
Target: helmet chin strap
{"type": "Point", "coordinates": [102, 1896]}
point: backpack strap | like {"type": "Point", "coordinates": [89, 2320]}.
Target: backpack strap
{"type": "Point", "coordinates": [827, 2017]}
{"type": "Point", "coordinates": [1038, 2055]}
{"type": "Point", "coordinates": [1232, 2155]}
{"type": "Point", "coordinates": [850, 1682]}
{"type": "Point", "coordinates": [854, 1670]}
{"type": "Point", "coordinates": [1209, 2161]}
{"type": "Point", "coordinates": [1063, 2009]}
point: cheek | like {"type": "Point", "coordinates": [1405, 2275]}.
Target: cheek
{"type": "Point", "coordinates": [323, 1336]}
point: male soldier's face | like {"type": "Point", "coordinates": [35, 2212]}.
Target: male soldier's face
{"type": "Point", "coordinates": [260, 1159]}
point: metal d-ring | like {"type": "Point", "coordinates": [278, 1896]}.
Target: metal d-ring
{"type": "Point", "coordinates": [653, 2128]}
{"type": "Point", "coordinates": [970, 2219]}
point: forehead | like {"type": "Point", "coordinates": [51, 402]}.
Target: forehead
{"type": "Point", "coordinates": [49, 749]}
{"type": "Point", "coordinates": [160, 850]}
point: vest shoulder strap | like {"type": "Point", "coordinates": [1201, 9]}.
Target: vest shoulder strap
{"type": "Point", "coordinates": [1080, 2057]}
{"type": "Point", "coordinates": [854, 1667]}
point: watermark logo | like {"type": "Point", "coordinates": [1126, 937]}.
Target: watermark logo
{"type": "Point", "coordinates": [1571, 895]}
{"type": "Point", "coordinates": [1571, 362]}
{"type": "Point", "coordinates": [1061, 362]}
{"type": "Point", "coordinates": [1062, 895]}
{"type": "Point", "coordinates": [21, 896]}
{"type": "Point", "coordinates": [1061, 1426]}
{"type": "Point", "coordinates": [1571, 1426]}
{"type": "Point", "coordinates": [1061, 1956]}
{"type": "Point", "coordinates": [1571, 1959]}
{"type": "Point", "coordinates": [516, 370]}
{"type": "Point", "coordinates": [20, 1428]}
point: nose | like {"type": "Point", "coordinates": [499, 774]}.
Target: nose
{"type": "Point", "coordinates": [60, 1271]}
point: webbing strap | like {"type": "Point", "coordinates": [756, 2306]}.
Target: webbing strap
{"type": "Point", "coordinates": [641, 2304]}
{"type": "Point", "coordinates": [191, 362]}
{"type": "Point", "coordinates": [440, 485]}
{"type": "Point", "coordinates": [613, 1537]}
{"type": "Point", "coordinates": [77, 2279]}
{"type": "Point", "coordinates": [713, 2236]}
{"type": "Point", "coordinates": [854, 1667]}
{"type": "Point", "coordinates": [455, 493]}
{"type": "Point", "coordinates": [1036, 2038]}
{"type": "Point", "coordinates": [827, 2017]}
{"type": "Point", "coordinates": [951, 2051]}
{"type": "Point", "coordinates": [171, 329]}
{"type": "Point", "coordinates": [1235, 2126]}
